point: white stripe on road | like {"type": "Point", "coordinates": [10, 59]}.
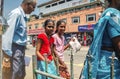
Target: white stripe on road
{"type": "Point", "coordinates": [79, 65]}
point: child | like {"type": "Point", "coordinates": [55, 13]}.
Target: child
{"type": "Point", "coordinates": [59, 46]}
{"type": "Point", "coordinates": [43, 50]}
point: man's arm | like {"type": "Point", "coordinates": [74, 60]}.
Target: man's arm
{"type": "Point", "coordinates": [7, 37]}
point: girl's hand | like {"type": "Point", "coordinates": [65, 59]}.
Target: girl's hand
{"type": "Point", "coordinates": [48, 61]}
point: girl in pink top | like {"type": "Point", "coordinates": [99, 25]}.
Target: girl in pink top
{"type": "Point", "coordinates": [59, 39]}
{"type": "Point", "coordinates": [59, 48]}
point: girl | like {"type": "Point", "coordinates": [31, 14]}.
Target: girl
{"type": "Point", "coordinates": [59, 46]}
{"type": "Point", "coordinates": [43, 50]}
{"type": "Point", "coordinates": [59, 39]}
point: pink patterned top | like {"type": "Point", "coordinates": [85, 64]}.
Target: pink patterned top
{"type": "Point", "coordinates": [59, 45]}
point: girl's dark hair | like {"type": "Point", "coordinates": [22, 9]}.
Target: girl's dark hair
{"type": "Point", "coordinates": [47, 21]}
{"type": "Point", "coordinates": [58, 23]}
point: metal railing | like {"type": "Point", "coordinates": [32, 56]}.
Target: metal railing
{"type": "Point", "coordinates": [35, 71]}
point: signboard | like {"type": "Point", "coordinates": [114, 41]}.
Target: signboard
{"type": "Point", "coordinates": [83, 28]}
{"type": "Point", "coordinates": [35, 31]}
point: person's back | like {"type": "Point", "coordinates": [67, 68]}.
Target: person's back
{"type": "Point", "coordinates": [105, 45]}
{"type": "Point", "coordinates": [75, 45]}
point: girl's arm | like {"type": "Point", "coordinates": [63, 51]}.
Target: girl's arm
{"type": "Point", "coordinates": [66, 46]}
{"type": "Point", "coordinates": [38, 46]}
{"type": "Point", "coordinates": [56, 56]}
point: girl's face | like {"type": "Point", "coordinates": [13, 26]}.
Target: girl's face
{"type": "Point", "coordinates": [61, 28]}
{"type": "Point", "coordinates": [49, 28]}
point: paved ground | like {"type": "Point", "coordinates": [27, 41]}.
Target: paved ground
{"type": "Point", "coordinates": [78, 61]}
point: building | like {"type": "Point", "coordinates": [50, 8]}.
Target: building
{"type": "Point", "coordinates": [80, 16]}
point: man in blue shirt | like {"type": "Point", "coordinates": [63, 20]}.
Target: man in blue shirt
{"type": "Point", "coordinates": [15, 38]}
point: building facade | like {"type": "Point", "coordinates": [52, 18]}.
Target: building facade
{"type": "Point", "coordinates": [79, 15]}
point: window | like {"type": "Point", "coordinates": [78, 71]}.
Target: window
{"type": "Point", "coordinates": [47, 6]}
{"type": "Point", "coordinates": [36, 26]}
{"type": "Point", "coordinates": [87, 7]}
{"type": "Point", "coordinates": [68, 0]}
{"type": "Point", "coordinates": [71, 10]}
{"type": "Point", "coordinates": [54, 4]}
{"type": "Point", "coordinates": [62, 2]}
{"type": "Point", "coordinates": [76, 19]}
{"type": "Point", "coordinates": [91, 17]}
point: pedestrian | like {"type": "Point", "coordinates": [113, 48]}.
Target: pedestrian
{"type": "Point", "coordinates": [59, 42]}
{"type": "Point", "coordinates": [106, 44]}
{"type": "Point", "coordinates": [33, 42]}
{"type": "Point", "coordinates": [14, 39]}
{"type": "Point", "coordinates": [75, 45]}
{"type": "Point", "coordinates": [44, 52]}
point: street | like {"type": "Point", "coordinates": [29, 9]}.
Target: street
{"type": "Point", "coordinates": [77, 64]}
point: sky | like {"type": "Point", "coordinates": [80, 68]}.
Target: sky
{"type": "Point", "coordinates": [12, 4]}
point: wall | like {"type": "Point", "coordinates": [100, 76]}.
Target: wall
{"type": "Point", "coordinates": [70, 27]}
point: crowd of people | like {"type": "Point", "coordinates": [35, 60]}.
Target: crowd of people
{"type": "Point", "coordinates": [50, 45]}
